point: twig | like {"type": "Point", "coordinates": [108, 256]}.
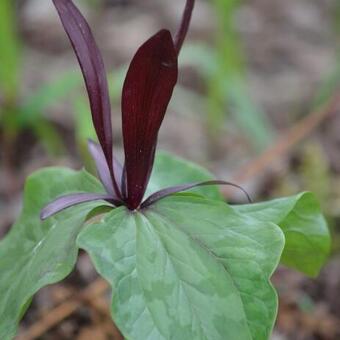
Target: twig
{"type": "Point", "coordinates": [99, 303]}
{"type": "Point", "coordinates": [61, 312]}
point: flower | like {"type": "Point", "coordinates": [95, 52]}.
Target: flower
{"type": "Point", "coordinates": [147, 90]}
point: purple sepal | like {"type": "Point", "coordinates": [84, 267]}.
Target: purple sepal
{"type": "Point", "coordinates": [103, 170]}
{"type": "Point", "coordinates": [67, 201]}
{"type": "Point", "coordinates": [101, 166]}
{"type": "Point", "coordinates": [184, 187]}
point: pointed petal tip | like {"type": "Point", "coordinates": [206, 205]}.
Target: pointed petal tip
{"type": "Point", "coordinates": [165, 36]}
{"type": "Point", "coordinates": [43, 215]}
{"type": "Point", "coordinates": [91, 142]}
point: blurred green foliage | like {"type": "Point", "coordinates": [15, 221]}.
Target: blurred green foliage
{"type": "Point", "coordinates": [10, 51]}
{"type": "Point", "coordinates": [224, 71]}
{"type": "Point", "coordinates": [331, 83]}
{"type": "Point", "coordinates": [337, 20]}
{"type": "Point", "coordinates": [18, 114]}
{"type": "Point", "coordinates": [221, 65]}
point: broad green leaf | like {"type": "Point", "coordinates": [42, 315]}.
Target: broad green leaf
{"type": "Point", "coordinates": [170, 170]}
{"type": "Point", "coordinates": [187, 268]}
{"type": "Point", "coordinates": [35, 254]}
{"type": "Point", "coordinates": [306, 232]}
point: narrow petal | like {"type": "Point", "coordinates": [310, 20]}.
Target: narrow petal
{"type": "Point", "coordinates": [102, 168]}
{"type": "Point", "coordinates": [93, 70]}
{"type": "Point", "coordinates": [68, 201]}
{"type": "Point", "coordinates": [147, 91]}
{"type": "Point", "coordinates": [184, 187]}
{"type": "Point", "coordinates": [184, 26]}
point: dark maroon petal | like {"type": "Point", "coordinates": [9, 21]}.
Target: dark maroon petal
{"type": "Point", "coordinates": [184, 187]}
{"type": "Point", "coordinates": [146, 94]}
{"type": "Point", "coordinates": [93, 70]}
{"type": "Point", "coordinates": [68, 201]}
{"type": "Point", "coordinates": [183, 28]}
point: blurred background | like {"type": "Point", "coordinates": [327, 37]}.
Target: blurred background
{"type": "Point", "coordinates": [258, 102]}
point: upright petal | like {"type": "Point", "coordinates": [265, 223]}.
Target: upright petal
{"type": "Point", "coordinates": [184, 26]}
{"type": "Point", "coordinates": [93, 70]}
{"type": "Point", "coordinates": [147, 91]}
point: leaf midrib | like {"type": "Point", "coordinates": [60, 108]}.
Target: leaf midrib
{"type": "Point", "coordinates": [156, 232]}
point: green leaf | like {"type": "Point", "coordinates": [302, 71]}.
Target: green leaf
{"type": "Point", "coordinates": [306, 232]}
{"type": "Point", "coordinates": [187, 268]}
{"type": "Point", "coordinates": [35, 253]}
{"type": "Point", "coordinates": [170, 170]}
